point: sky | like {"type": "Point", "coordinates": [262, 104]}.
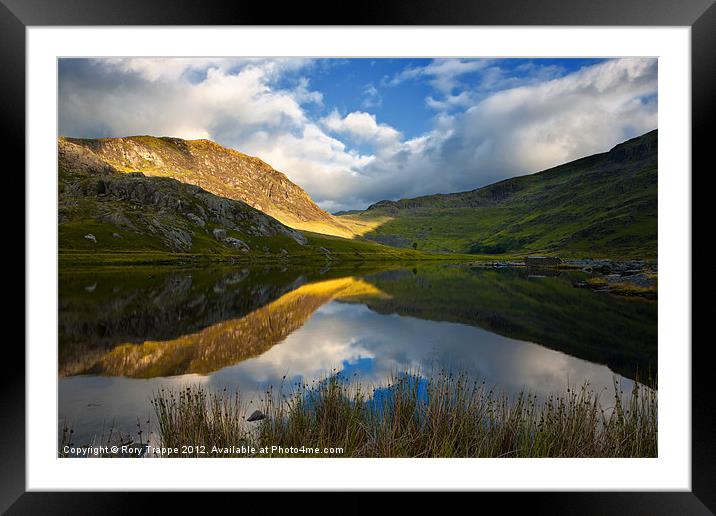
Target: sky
{"type": "Point", "coordinates": [352, 132]}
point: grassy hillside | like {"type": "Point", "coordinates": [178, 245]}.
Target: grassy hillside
{"type": "Point", "coordinates": [603, 205]}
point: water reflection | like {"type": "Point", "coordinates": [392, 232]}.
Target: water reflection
{"type": "Point", "coordinates": [127, 337]}
{"type": "Point", "coordinates": [228, 342]}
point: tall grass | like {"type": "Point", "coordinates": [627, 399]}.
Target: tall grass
{"type": "Point", "coordinates": [445, 415]}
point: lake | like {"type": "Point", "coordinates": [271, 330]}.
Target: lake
{"type": "Point", "coordinates": [126, 333]}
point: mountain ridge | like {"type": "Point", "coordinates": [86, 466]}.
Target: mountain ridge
{"type": "Point", "coordinates": [637, 147]}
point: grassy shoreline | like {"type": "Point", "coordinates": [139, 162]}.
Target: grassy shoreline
{"type": "Point", "coordinates": [441, 416]}
{"type": "Point", "coordinates": [74, 258]}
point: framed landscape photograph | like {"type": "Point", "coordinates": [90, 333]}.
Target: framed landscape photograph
{"type": "Point", "coordinates": [451, 252]}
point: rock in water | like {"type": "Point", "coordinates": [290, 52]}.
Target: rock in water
{"type": "Point", "coordinates": [256, 415]}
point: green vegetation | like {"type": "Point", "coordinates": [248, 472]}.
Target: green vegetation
{"type": "Point", "coordinates": [442, 416]}
{"type": "Point", "coordinates": [320, 250]}
{"type": "Point", "coordinates": [112, 213]}
{"type": "Point", "coordinates": [345, 249]}
{"type": "Point", "coordinates": [599, 206]}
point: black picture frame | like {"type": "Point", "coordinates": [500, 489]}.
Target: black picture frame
{"type": "Point", "coordinates": [700, 15]}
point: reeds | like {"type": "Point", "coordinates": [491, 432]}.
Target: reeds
{"type": "Point", "coordinates": [445, 415]}
{"type": "Point", "coordinates": [194, 417]}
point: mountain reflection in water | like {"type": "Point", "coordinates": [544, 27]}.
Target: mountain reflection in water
{"type": "Point", "coordinates": [125, 335]}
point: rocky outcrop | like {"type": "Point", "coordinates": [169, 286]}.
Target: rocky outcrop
{"type": "Point", "coordinates": [605, 266]}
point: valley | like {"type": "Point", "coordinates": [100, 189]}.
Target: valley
{"type": "Point", "coordinates": [163, 200]}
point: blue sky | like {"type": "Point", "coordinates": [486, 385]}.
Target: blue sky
{"type": "Point", "coordinates": [355, 131]}
{"type": "Point", "coordinates": [365, 84]}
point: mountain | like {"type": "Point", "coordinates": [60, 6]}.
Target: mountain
{"type": "Point", "coordinates": [107, 215]}
{"type": "Point", "coordinates": [601, 205]}
{"type": "Point", "coordinates": [100, 207]}
{"type": "Point", "coordinates": [218, 170]}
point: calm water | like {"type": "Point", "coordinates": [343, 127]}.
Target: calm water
{"type": "Point", "coordinates": [126, 335]}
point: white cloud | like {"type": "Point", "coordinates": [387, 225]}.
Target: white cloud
{"type": "Point", "coordinates": [362, 126]}
{"type": "Point", "coordinates": [443, 74]}
{"type": "Point", "coordinates": [534, 127]}
{"type": "Point", "coordinates": [462, 99]}
{"type": "Point", "coordinates": [261, 107]}
{"type": "Point", "coordinates": [452, 92]}
{"type": "Point", "coordinates": [523, 130]}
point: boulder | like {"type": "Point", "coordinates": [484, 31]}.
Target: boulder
{"type": "Point", "coordinates": [219, 233]}
{"type": "Point", "coordinates": [91, 238]}
{"type": "Point", "coordinates": [178, 239]}
{"type": "Point", "coordinates": [196, 219]}
{"type": "Point", "coordinates": [237, 244]}
{"type": "Point", "coordinates": [297, 236]}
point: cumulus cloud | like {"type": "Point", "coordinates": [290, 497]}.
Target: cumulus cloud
{"type": "Point", "coordinates": [362, 126]}
{"type": "Point", "coordinates": [234, 102]}
{"type": "Point", "coordinates": [498, 125]}
{"type": "Point", "coordinates": [530, 128]}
